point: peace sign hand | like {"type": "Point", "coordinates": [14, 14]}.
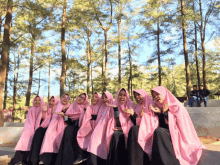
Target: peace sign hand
{"type": "Point", "coordinates": [155, 109]}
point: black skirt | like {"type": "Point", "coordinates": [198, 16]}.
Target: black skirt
{"type": "Point", "coordinates": [136, 155]}
{"type": "Point", "coordinates": [69, 149]}
{"type": "Point", "coordinates": [48, 158]}
{"type": "Point", "coordinates": [33, 158]}
{"type": "Point", "coordinates": [95, 160]}
{"type": "Point", "coordinates": [117, 153]}
{"type": "Point", "coordinates": [162, 149]}
{"type": "Point", "coordinates": [20, 156]}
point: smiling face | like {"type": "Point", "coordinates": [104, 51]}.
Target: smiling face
{"type": "Point", "coordinates": [158, 98]}
{"type": "Point", "coordinates": [37, 102]}
{"type": "Point", "coordinates": [81, 98]}
{"type": "Point", "coordinates": [104, 98]}
{"type": "Point", "coordinates": [51, 102]}
{"type": "Point", "coordinates": [138, 98]}
{"type": "Point", "coordinates": [94, 99]}
{"type": "Point", "coordinates": [122, 98]}
{"type": "Point", "coordinates": [65, 99]}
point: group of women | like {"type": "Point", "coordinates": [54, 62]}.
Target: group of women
{"type": "Point", "coordinates": [156, 131]}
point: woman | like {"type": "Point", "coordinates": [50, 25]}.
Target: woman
{"type": "Point", "coordinates": [97, 148]}
{"type": "Point", "coordinates": [69, 150]}
{"type": "Point", "coordinates": [32, 122]}
{"type": "Point", "coordinates": [54, 133]}
{"type": "Point", "coordinates": [89, 121]}
{"type": "Point", "coordinates": [136, 155]}
{"type": "Point", "coordinates": [172, 135]}
{"type": "Point", "coordinates": [45, 117]}
{"type": "Point", "coordinates": [118, 128]}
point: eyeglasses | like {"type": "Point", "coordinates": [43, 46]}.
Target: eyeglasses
{"type": "Point", "coordinates": [81, 97]}
{"type": "Point", "coordinates": [66, 98]}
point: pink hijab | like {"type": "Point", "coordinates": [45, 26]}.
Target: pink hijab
{"type": "Point", "coordinates": [186, 144]}
{"type": "Point", "coordinates": [54, 133]}
{"type": "Point", "coordinates": [48, 114]}
{"type": "Point", "coordinates": [30, 125]}
{"type": "Point", "coordinates": [98, 144]}
{"type": "Point", "coordinates": [88, 125]}
{"type": "Point", "coordinates": [76, 111]}
{"type": "Point", "coordinates": [146, 100]}
{"type": "Point", "coordinates": [124, 118]}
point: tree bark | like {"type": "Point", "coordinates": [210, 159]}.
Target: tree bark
{"type": "Point", "coordinates": [5, 54]}
{"type": "Point", "coordinates": [196, 51]}
{"type": "Point", "coordinates": [63, 72]}
{"type": "Point", "coordinates": [28, 95]}
{"type": "Point", "coordinates": [106, 59]}
{"type": "Point", "coordinates": [202, 36]}
{"type": "Point", "coordinates": [188, 80]}
{"type": "Point", "coordinates": [91, 79]}
{"type": "Point", "coordinates": [6, 87]}
{"type": "Point", "coordinates": [88, 59]}
{"type": "Point", "coordinates": [38, 92]}
{"type": "Point", "coordinates": [119, 44]}
{"type": "Point", "coordinates": [48, 97]}
{"type": "Point", "coordinates": [158, 51]}
{"type": "Point", "coordinates": [130, 67]}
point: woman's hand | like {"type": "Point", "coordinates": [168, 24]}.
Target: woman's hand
{"type": "Point", "coordinates": [110, 105]}
{"type": "Point", "coordinates": [129, 111]}
{"type": "Point", "coordinates": [60, 113]}
{"type": "Point", "coordinates": [155, 109]}
{"type": "Point", "coordinates": [118, 129]}
{"type": "Point", "coordinates": [44, 108]}
{"type": "Point", "coordinates": [65, 108]}
{"type": "Point", "coordinates": [142, 110]}
{"type": "Point", "coordinates": [165, 107]}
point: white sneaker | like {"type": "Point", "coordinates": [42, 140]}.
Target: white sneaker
{"type": "Point", "coordinates": [41, 162]}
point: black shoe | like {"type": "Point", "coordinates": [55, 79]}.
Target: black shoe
{"type": "Point", "coordinates": [79, 160]}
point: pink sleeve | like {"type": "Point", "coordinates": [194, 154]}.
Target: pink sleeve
{"type": "Point", "coordinates": [47, 118]}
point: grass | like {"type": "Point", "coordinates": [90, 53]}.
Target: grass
{"type": "Point", "coordinates": [208, 139]}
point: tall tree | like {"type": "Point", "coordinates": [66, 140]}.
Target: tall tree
{"type": "Point", "coordinates": [63, 71]}
{"type": "Point", "coordinates": [119, 19]}
{"type": "Point", "coordinates": [5, 53]}
{"type": "Point", "coordinates": [183, 19]}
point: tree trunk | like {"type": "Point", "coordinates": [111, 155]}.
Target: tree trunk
{"type": "Point", "coordinates": [63, 72]}
{"type": "Point", "coordinates": [130, 65]}
{"type": "Point", "coordinates": [188, 80]}
{"type": "Point", "coordinates": [48, 97]}
{"type": "Point", "coordinates": [202, 36]}
{"type": "Point", "coordinates": [106, 59]}
{"type": "Point", "coordinates": [88, 60]}
{"type": "Point", "coordinates": [38, 92]}
{"type": "Point", "coordinates": [28, 95]}
{"type": "Point", "coordinates": [158, 51]}
{"type": "Point", "coordinates": [5, 54]}
{"type": "Point", "coordinates": [119, 48]}
{"type": "Point", "coordinates": [91, 79]}
{"type": "Point", "coordinates": [196, 52]}
{"type": "Point", "coordinates": [6, 87]}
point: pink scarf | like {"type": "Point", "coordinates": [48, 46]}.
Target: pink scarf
{"type": "Point", "coordinates": [98, 144]}
{"type": "Point", "coordinates": [30, 125]}
{"type": "Point", "coordinates": [88, 125]}
{"type": "Point", "coordinates": [186, 144]}
{"type": "Point", "coordinates": [124, 118]}
{"type": "Point", "coordinates": [54, 133]}
{"type": "Point", "coordinates": [76, 111]}
{"type": "Point", "coordinates": [48, 114]}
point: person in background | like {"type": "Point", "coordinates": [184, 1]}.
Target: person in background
{"type": "Point", "coordinates": [203, 94]}
{"type": "Point", "coordinates": [194, 96]}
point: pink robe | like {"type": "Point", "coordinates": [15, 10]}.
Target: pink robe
{"type": "Point", "coordinates": [98, 144]}
{"type": "Point", "coordinates": [124, 118]}
{"type": "Point", "coordinates": [31, 124]}
{"type": "Point", "coordinates": [54, 133]}
{"type": "Point", "coordinates": [186, 144]}
{"type": "Point", "coordinates": [88, 125]}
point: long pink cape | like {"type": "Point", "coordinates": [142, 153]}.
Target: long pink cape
{"type": "Point", "coordinates": [124, 118]}
{"type": "Point", "coordinates": [30, 125]}
{"type": "Point", "coordinates": [47, 114]}
{"type": "Point", "coordinates": [54, 133]}
{"type": "Point", "coordinates": [88, 125]}
{"type": "Point", "coordinates": [76, 111]}
{"type": "Point", "coordinates": [186, 144]}
{"type": "Point", "coordinates": [98, 144]}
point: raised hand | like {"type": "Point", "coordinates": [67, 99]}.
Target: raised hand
{"type": "Point", "coordinates": [129, 111]}
{"type": "Point", "coordinates": [44, 108]}
{"type": "Point", "coordinates": [142, 110]}
{"type": "Point", "coordinates": [65, 108]}
{"type": "Point", "coordinates": [155, 109]}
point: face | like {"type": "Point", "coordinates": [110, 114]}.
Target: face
{"type": "Point", "coordinates": [158, 99]}
{"type": "Point", "coordinates": [201, 87]}
{"type": "Point", "coordinates": [51, 102]}
{"type": "Point", "coordinates": [94, 99]}
{"type": "Point", "coordinates": [138, 98]}
{"type": "Point", "coordinates": [194, 88]}
{"type": "Point", "coordinates": [37, 102]}
{"type": "Point", "coordinates": [81, 98]}
{"type": "Point", "coordinates": [104, 98]}
{"type": "Point", "coordinates": [122, 98]}
{"type": "Point", "coordinates": [65, 99]}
